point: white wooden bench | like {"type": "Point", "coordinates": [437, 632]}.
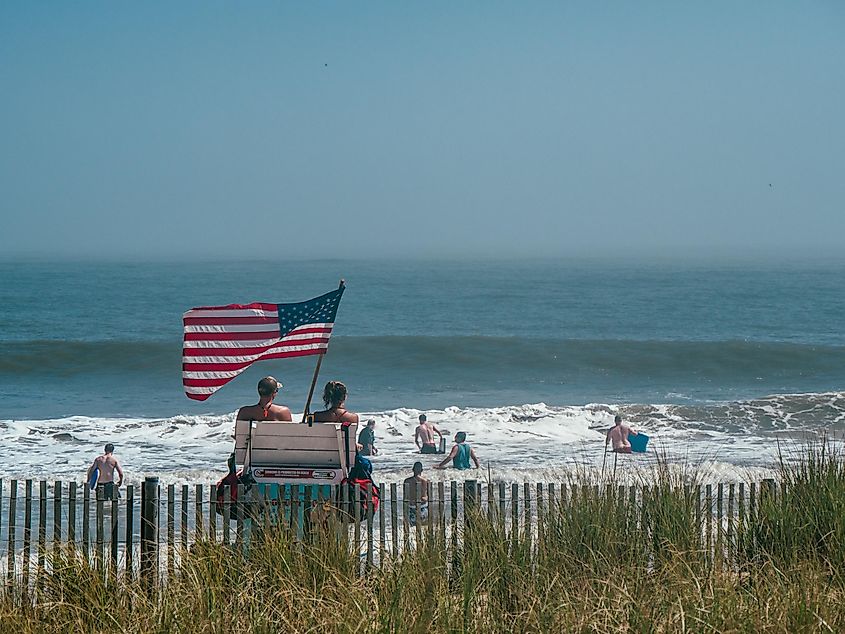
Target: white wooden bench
{"type": "Point", "coordinates": [295, 453]}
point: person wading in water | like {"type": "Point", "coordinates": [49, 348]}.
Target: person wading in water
{"type": "Point", "coordinates": [618, 435]}
{"type": "Point", "coordinates": [424, 434]}
{"type": "Point", "coordinates": [461, 454]}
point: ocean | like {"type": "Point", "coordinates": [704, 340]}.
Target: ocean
{"type": "Point", "coordinates": [723, 365]}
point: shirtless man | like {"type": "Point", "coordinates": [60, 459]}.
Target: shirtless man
{"type": "Point", "coordinates": [618, 435]}
{"type": "Point", "coordinates": [107, 464]}
{"type": "Point", "coordinates": [416, 488]}
{"type": "Point", "coordinates": [265, 409]}
{"type": "Point", "coordinates": [424, 434]}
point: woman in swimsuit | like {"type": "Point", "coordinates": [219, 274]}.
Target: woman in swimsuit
{"type": "Point", "coordinates": [334, 398]}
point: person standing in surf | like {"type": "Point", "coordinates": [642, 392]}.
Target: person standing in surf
{"type": "Point", "coordinates": [416, 492]}
{"type": "Point", "coordinates": [265, 409]}
{"type": "Point", "coordinates": [107, 464]}
{"type": "Point", "coordinates": [618, 435]}
{"type": "Point", "coordinates": [424, 436]}
{"type": "Point", "coordinates": [461, 454]}
{"type": "Point", "coordinates": [367, 439]}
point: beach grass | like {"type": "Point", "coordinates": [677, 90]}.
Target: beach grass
{"type": "Point", "coordinates": [600, 563]}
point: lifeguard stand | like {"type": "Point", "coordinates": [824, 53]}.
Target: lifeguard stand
{"type": "Point", "coordinates": [295, 453]}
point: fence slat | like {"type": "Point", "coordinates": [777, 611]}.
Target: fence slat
{"type": "Point", "coordinates": [57, 515]}
{"type": "Point", "coordinates": [100, 529]}
{"type": "Point", "coordinates": [752, 503]}
{"type": "Point", "coordinates": [382, 538]}
{"type": "Point", "coordinates": [720, 532]}
{"type": "Point", "coordinates": [183, 525]}
{"type": "Point", "coordinates": [294, 508]}
{"type": "Point", "coordinates": [453, 513]}
{"type": "Point", "coordinates": [429, 520]}
{"type": "Point", "coordinates": [731, 501]}
{"type": "Point", "coordinates": [470, 502]}
{"type": "Point", "coordinates": [356, 512]}
{"type": "Point", "coordinates": [86, 520]}
{"type": "Point", "coordinates": [130, 516]}
{"type": "Point", "coordinates": [71, 514]}
{"type": "Point", "coordinates": [441, 512]}
{"type": "Point", "coordinates": [13, 526]}
{"type": "Point", "coordinates": [171, 530]}
{"type": "Point", "coordinates": [539, 504]}
{"type": "Point", "coordinates": [708, 506]}
{"type": "Point", "coordinates": [369, 525]}
{"type": "Point", "coordinates": [526, 504]}
{"type": "Point", "coordinates": [698, 525]}
{"type": "Point", "coordinates": [306, 512]}
{"type": "Point", "coordinates": [394, 520]}
{"type": "Point", "coordinates": [239, 516]}
{"type": "Point", "coordinates": [502, 506]}
{"type": "Point", "coordinates": [27, 532]}
{"type": "Point", "coordinates": [212, 513]}
{"type": "Point", "coordinates": [115, 529]}
{"type": "Point", "coordinates": [406, 522]}
{"type": "Point", "coordinates": [265, 506]}
{"type": "Point", "coordinates": [227, 511]}
{"type": "Point", "coordinates": [346, 516]}
{"type": "Point", "coordinates": [198, 499]}
{"type": "Point", "coordinates": [150, 507]}
{"type": "Point", "coordinates": [42, 522]}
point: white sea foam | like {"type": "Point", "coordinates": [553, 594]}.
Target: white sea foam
{"type": "Point", "coordinates": [525, 442]}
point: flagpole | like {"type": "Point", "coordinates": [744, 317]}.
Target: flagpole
{"type": "Point", "coordinates": [316, 372]}
{"type": "Point", "coordinates": [311, 391]}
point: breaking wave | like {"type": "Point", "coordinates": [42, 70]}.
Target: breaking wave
{"type": "Point", "coordinates": [532, 441]}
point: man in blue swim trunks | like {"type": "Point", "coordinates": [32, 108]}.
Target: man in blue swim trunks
{"type": "Point", "coordinates": [461, 454]}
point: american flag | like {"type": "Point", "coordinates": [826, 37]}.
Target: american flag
{"type": "Point", "coordinates": [222, 341]}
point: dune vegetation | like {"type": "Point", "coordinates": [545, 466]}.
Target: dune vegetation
{"type": "Point", "coordinates": [601, 563]}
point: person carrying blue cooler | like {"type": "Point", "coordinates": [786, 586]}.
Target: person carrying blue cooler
{"type": "Point", "coordinates": [461, 454]}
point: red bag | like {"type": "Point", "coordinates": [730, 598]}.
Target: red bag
{"type": "Point", "coordinates": [357, 489]}
{"type": "Point", "coordinates": [232, 481]}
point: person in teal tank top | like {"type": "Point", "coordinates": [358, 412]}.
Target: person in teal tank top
{"type": "Point", "coordinates": [461, 454]}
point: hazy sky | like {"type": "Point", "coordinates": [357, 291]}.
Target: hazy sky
{"type": "Point", "coordinates": [231, 129]}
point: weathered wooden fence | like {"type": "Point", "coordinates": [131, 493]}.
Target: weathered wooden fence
{"type": "Point", "coordinates": [146, 530]}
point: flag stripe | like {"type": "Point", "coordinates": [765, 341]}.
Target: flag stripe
{"type": "Point", "coordinates": [229, 335]}
{"type": "Point", "coordinates": [222, 364]}
{"type": "Point", "coordinates": [228, 321]}
{"type": "Point", "coordinates": [252, 342]}
{"type": "Point", "coordinates": [212, 328]}
{"type": "Point", "coordinates": [243, 307]}
{"type": "Point", "coordinates": [234, 349]}
{"type": "Point", "coordinates": [247, 358]}
{"type": "Point", "coordinates": [229, 314]}
{"type": "Point", "coordinates": [209, 340]}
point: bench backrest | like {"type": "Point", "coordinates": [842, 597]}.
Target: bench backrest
{"type": "Point", "coordinates": [294, 444]}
